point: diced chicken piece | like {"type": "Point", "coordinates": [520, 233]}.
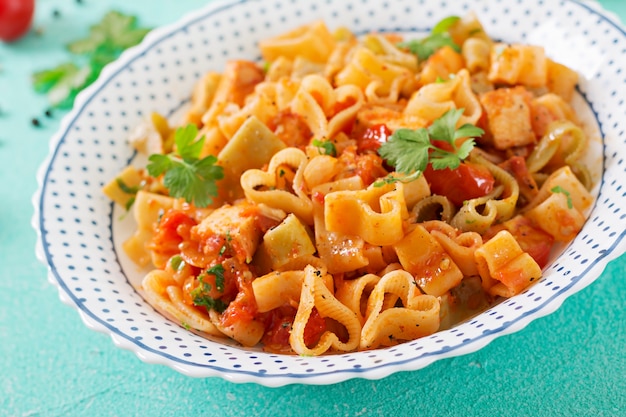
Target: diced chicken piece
{"type": "Point", "coordinates": [509, 117]}
{"type": "Point", "coordinates": [232, 225]}
{"type": "Point", "coordinates": [518, 64]}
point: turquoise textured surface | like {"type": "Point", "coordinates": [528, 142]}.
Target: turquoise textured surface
{"type": "Point", "coordinates": [572, 362]}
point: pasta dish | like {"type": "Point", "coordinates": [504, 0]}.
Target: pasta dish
{"type": "Point", "coordinates": [355, 192]}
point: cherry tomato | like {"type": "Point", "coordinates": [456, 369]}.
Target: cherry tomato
{"type": "Point", "coordinates": [463, 183]}
{"type": "Point", "coordinates": [372, 137]}
{"type": "Point", "coordinates": [15, 18]}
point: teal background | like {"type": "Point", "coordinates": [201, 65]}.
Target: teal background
{"type": "Point", "coordinates": [571, 363]}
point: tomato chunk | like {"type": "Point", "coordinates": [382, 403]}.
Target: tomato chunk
{"type": "Point", "coordinates": [171, 230]}
{"type": "Point", "coordinates": [463, 183]}
{"type": "Point", "coordinates": [278, 328]}
{"type": "Point", "coordinates": [372, 137]}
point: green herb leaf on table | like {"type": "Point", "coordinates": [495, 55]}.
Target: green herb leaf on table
{"type": "Point", "coordinates": [105, 43]}
{"type": "Point", "coordinates": [410, 151]}
{"type": "Point", "coordinates": [186, 175]}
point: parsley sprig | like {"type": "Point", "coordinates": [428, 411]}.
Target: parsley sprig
{"type": "Point", "coordinates": [410, 151]}
{"type": "Point", "coordinates": [438, 38]}
{"type": "Point", "coordinates": [186, 175]}
{"type": "Point", "coordinates": [106, 41]}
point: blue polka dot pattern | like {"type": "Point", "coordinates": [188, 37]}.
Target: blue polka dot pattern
{"type": "Point", "coordinates": [80, 232]}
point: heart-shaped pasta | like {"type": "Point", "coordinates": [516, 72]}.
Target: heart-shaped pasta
{"type": "Point", "coordinates": [260, 186]}
{"type": "Point", "coordinates": [326, 110]}
{"type": "Point", "coordinates": [162, 291]}
{"type": "Point", "coordinates": [418, 317]}
{"type": "Point", "coordinates": [478, 214]}
{"type": "Point", "coordinates": [460, 246]}
{"type": "Point", "coordinates": [375, 214]}
{"type": "Point", "coordinates": [366, 67]}
{"type": "Point", "coordinates": [433, 100]}
{"type": "Point", "coordinates": [316, 294]}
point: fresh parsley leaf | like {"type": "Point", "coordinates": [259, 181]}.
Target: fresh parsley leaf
{"type": "Point", "coordinates": [188, 147]}
{"type": "Point", "coordinates": [424, 48]}
{"type": "Point", "coordinates": [407, 150]}
{"type": "Point", "coordinates": [115, 31]}
{"type": "Point", "coordinates": [325, 147]}
{"type": "Point", "coordinates": [410, 151]}
{"type": "Point", "coordinates": [187, 176]}
{"type": "Point", "coordinates": [106, 41]}
{"type": "Point", "coordinates": [438, 38]}
{"type": "Point", "coordinates": [445, 24]}
{"type": "Point", "coordinates": [559, 189]}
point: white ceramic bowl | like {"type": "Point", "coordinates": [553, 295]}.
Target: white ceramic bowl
{"type": "Point", "coordinates": [79, 231]}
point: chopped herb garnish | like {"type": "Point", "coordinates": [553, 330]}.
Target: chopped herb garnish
{"type": "Point", "coordinates": [125, 188]}
{"type": "Point", "coordinates": [199, 294]}
{"type": "Point", "coordinates": [325, 147]}
{"type": "Point", "coordinates": [218, 271]}
{"type": "Point", "coordinates": [177, 263]}
{"type": "Point", "coordinates": [209, 302]}
{"type": "Point", "coordinates": [410, 151]}
{"type": "Point", "coordinates": [187, 176]}
{"type": "Point", "coordinates": [226, 245]}
{"type": "Point", "coordinates": [129, 203]}
{"type": "Point", "coordinates": [559, 189]}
